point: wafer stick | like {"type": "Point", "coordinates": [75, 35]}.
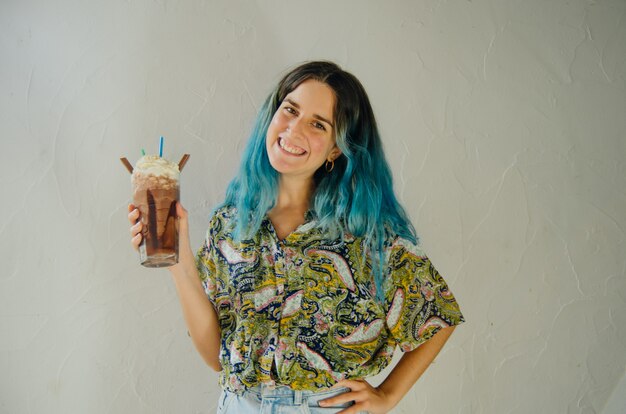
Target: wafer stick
{"type": "Point", "coordinates": [127, 164]}
{"type": "Point", "coordinates": [183, 161]}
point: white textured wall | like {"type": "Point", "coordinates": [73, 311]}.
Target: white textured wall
{"type": "Point", "coordinates": [504, 122]}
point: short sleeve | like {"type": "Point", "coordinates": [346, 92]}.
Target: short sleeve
{"type": "Point", "coordinates": [205, 262]}
{"type": "Point", "coordinates": [418, 300]}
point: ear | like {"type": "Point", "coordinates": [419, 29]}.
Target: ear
{"type": "Point", "coordinates": [334, 154]}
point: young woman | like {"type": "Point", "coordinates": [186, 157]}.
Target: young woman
{"type": "Point", "coordinates": [311, 273]}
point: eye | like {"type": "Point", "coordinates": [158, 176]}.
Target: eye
{"type": "Point", "coordinates": [291, 110]}
{"type": "Point", "coordinates": [319, 125]}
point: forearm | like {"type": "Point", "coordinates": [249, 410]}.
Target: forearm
{"type": "Point", "coordinates": [412, 365]}
{"type": "Point", "coordinates": [200, 315]}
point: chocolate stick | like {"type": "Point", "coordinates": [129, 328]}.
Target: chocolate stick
{"type": "Point", "coordinates": [183, 161]}
{"type": "Point", "coordinates": [127, 164]}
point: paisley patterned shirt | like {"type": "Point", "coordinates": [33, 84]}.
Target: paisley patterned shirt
{"type": "Point", "coordinates": [302, 311]}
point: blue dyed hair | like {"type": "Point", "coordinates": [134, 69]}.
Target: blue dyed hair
{"type": "Point", "coordinates": [356, 196]}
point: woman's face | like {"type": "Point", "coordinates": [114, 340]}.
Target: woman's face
{"type": "Point", "coordinates": [301, 136]}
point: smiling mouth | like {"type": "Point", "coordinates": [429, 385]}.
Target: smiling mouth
{"type": "Point", "coordinates": [290, 148]}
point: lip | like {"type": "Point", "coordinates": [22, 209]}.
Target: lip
{"type": "Point", "coordinates": [284, 151]}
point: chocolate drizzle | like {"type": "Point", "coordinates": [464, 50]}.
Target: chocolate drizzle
{"type": "Point", "coordinates": [152, 224]}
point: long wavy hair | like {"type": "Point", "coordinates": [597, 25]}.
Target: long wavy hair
{"type": "Point", "coordinates": [357, 196]}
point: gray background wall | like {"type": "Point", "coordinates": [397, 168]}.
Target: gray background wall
{"type": "Point", "coordinates": [504, 124]}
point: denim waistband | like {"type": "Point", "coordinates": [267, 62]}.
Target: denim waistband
{"type": "Point", "coordinates": [266, 391]}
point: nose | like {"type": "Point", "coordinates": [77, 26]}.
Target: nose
{"type": "Point", "coordinates": [294, 128]}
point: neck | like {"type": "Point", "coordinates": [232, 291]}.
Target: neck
{"type": "Point", "coordinates": [294, 193]}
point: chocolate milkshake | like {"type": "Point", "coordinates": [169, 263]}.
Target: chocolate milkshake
{"type": "Point", "coordinates": [155, 193]}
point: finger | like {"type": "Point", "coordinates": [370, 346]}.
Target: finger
{"type": "Point", "coordinates": [136, 241]}
{"type": "Point", "coordinates": [133, 214]}
{"type": "Point", "coordinates": [183, 219]}
{"type": "Point", "coordinates": [180, 211]}
{"type": "Point", "coordinates": [358, 397]}
{"type": "Point", "coordinates": [341, 398]}
{"type": "Point", "coordinates": [338, 399]}
{"type": "Point", "coordinates": [136, 228]}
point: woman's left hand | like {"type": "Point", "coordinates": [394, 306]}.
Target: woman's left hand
{"type": "Point", "coordinates": [366, 398]}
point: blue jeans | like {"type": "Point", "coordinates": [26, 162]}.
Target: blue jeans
{"type": "Point", "coordinates": [265, 399]}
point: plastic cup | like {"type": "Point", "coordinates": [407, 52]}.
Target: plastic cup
{"type": "Point", "coordinates": [156, 190]}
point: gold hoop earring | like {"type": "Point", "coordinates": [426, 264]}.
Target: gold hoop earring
{"type": "Point", "coordinates": [332, 165]}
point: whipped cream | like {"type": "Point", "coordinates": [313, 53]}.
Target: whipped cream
{"type": "Point", "coordinates": [157, 166]}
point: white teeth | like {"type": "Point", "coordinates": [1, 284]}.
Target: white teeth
{"type": "Point", "coordinates": [289, 148]}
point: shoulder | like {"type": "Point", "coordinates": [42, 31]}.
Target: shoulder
{"type": "Point", "coordinates": [222, 220]}
{"type": "Point", "coordinates": [396, 243]}
{"type": "Point", "coordinates": [224, 213]}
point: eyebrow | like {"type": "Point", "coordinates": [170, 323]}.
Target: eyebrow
{"type": "Point", "coordinates": [316, 116]}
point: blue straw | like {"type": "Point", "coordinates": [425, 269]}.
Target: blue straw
{"type": "Point", "coordinates": [161, 147]}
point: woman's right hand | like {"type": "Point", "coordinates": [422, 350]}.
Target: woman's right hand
{"type": "Point", "coordinates": [135, 226]}
{"type": "Point", "coordinates": [185, 254]}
